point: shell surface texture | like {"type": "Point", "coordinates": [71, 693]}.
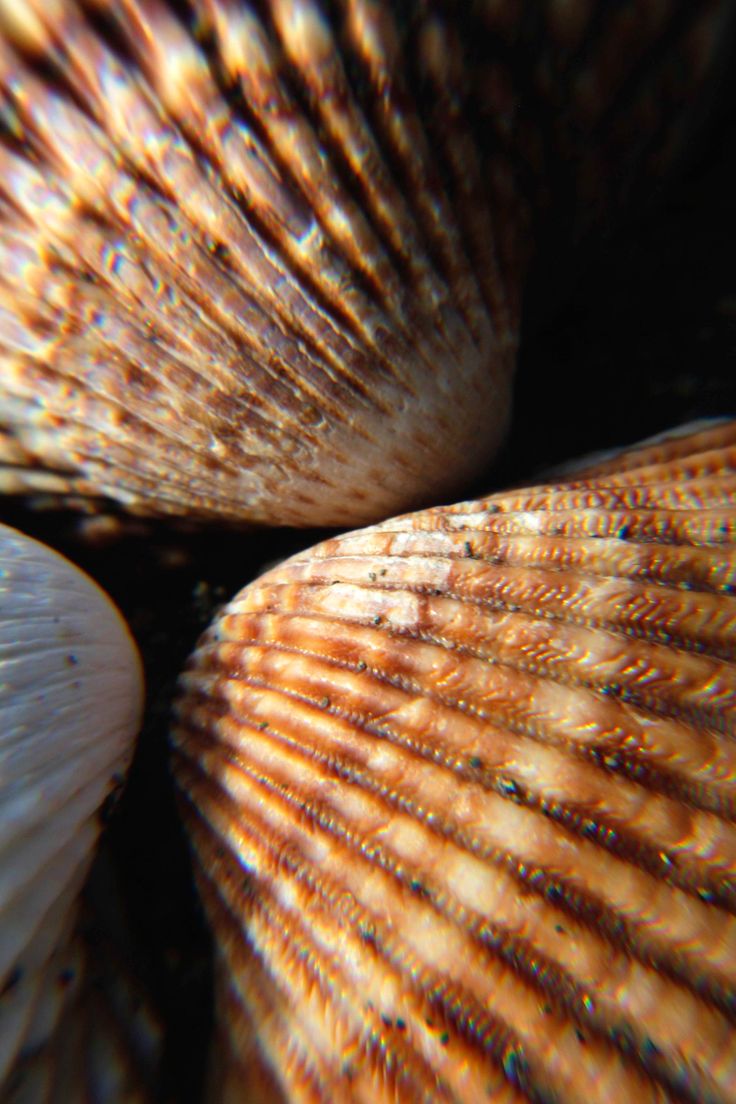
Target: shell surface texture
{"type": "Point", "coordinates": [99, 1038]}
{"type": "Point", "coordinates": [461, 788]}
{"type": "Point", "coordinates": [263, 263]}
{"type": "Point", "coordinates": [71, 697]}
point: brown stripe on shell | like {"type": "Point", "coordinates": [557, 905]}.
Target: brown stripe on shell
{"type": "Point", "coordinates": [378, 1050]}
{"type": "Point", "coordinates": [514, 834]}
{"type": "Point", "coordinates": [518, 762]}
{"type": "Point", "coordinates": [235, 287]}
{"type": "Point", "coordinates": [484, 776]}
{"type": "Point", "coordinates": [265, 263]}
{"type": "Point", "coordinates": [418, 879]}
{"type": "Point", "coordinates": [700, 569]}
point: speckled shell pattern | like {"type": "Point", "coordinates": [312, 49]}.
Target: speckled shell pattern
{"type": "Point", "coordinates": [264, 262]}
{"type": "Point", "coordinates": [461, 788]}
{"type": "Point", "coordinates": [71, 699]}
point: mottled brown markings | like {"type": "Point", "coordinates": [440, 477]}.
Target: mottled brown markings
{"type": "Point", "coordinates": [702, 479]}
{"type": "Point", "coordinates": [610, 832]}
{"type": "Point", "coordinates": [112, 414]}
{"type": "Point", "coordinates": [685, 455]}
{"type": "Point", "coordinates": [702, 493]}
{"type": "Point", "coordinates": [712, 884]}
{"type": "Point", "coordinates": [405, 672]}
{"type": "Point", "coordinates": [673, 527]}
{"type": "Point", "coordinates": [99, 437]}
{"type": "Point", "coordinates": [659, 779]}
{"type": "Point", "coordinates": [108, 452]}
{"type": "Point", "coordinates": [306, 340]}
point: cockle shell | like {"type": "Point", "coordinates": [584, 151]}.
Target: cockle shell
{"type": "Point", "coordinates": [461, 788]}
{"type": "Point", "coordinates": [264, 263]}
{"type": "Point", "coordinates": [70, 706]}
{"type": "Point", "coordinates": [94, 1040]}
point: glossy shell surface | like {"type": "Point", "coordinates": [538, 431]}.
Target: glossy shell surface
{"type": "Point", "coordinates": [71, 697]}
{"type": "Point", "coordinates": [264, 263]}
{"type": "Point", "coordinates": [461, 788]}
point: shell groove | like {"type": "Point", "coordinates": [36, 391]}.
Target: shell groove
{"type": "Point", "coordinates": [461, 789]}
{"type": "Point", "coordinates": [238, 242]}
{"type": "Point", "coordinates": [70, 705]}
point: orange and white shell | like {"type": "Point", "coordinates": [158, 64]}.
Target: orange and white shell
{"type": "Point", "coordinates": [71, 697]}
{"type": "Point", "coordinates": [461, 789]}
{"type": "Point", "coordinates": [264, 263]}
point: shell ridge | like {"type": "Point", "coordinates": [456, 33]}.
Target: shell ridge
{"type": "Point", "coordinates": [590, 907]}
{"type": "Point", "coordinates": [620, 613]}
{"type": "Point", "coordinates": [703, 569]}
{"type": "Point", "coordinates": [266, 901]}
{"type": "Point", "coordinates": [624, 741]}
{"type": "Point", "coordinates": [670, 1074]}
{"type": "Point", "coordinates": [334, 898]}
{"type": "Point", "coordinates": [480, 703]}
{"type": "Point", "coordinates": [713, 880]}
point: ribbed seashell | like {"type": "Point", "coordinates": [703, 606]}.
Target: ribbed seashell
{"type": "Point", "coordinates": [95, 1038]}
{"type": "Point", "coordinates": [265, 262]}
{"type": "Point", "coordinates": [461, 788]}
{"type": "Point", "coordinates": [70, 705]}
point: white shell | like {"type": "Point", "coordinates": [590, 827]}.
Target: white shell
{"type": "Point", "coordinates": [97, 1036]}
{"type": "Point", "coordinates": [71, 695]}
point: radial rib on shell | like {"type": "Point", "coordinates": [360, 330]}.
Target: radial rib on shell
{"type": "Point", "coordinates": [264, 262]}
{"type": "Point", "coordinates": [71, 698]}
{"type": "Point", "coordinates": [461, 788]}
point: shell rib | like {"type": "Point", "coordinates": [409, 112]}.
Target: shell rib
{"type": "Point", "coordinates": [264, 262]}
{"type": "Point", "coordinates": [70, 706]}
{"type": "Point", "coordinates": [462, 790]}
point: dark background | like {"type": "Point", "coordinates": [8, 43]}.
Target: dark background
{"type": "Point", "coordinates": [628, 337]}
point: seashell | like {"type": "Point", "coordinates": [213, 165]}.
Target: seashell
{"type": "Point", "coordinates": [461, 789]}
{"type": "Point", "coordinates": [96, 1036]}
{"type": "Point", "coordinates": [70, 704]}
{"type": "Point", "coordinates": [265, 263]}
{"type": "Point", "coordinates": [99, 1039]}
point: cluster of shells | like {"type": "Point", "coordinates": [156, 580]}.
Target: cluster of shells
{"type": "Point", "coordinates": [459, 786]}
